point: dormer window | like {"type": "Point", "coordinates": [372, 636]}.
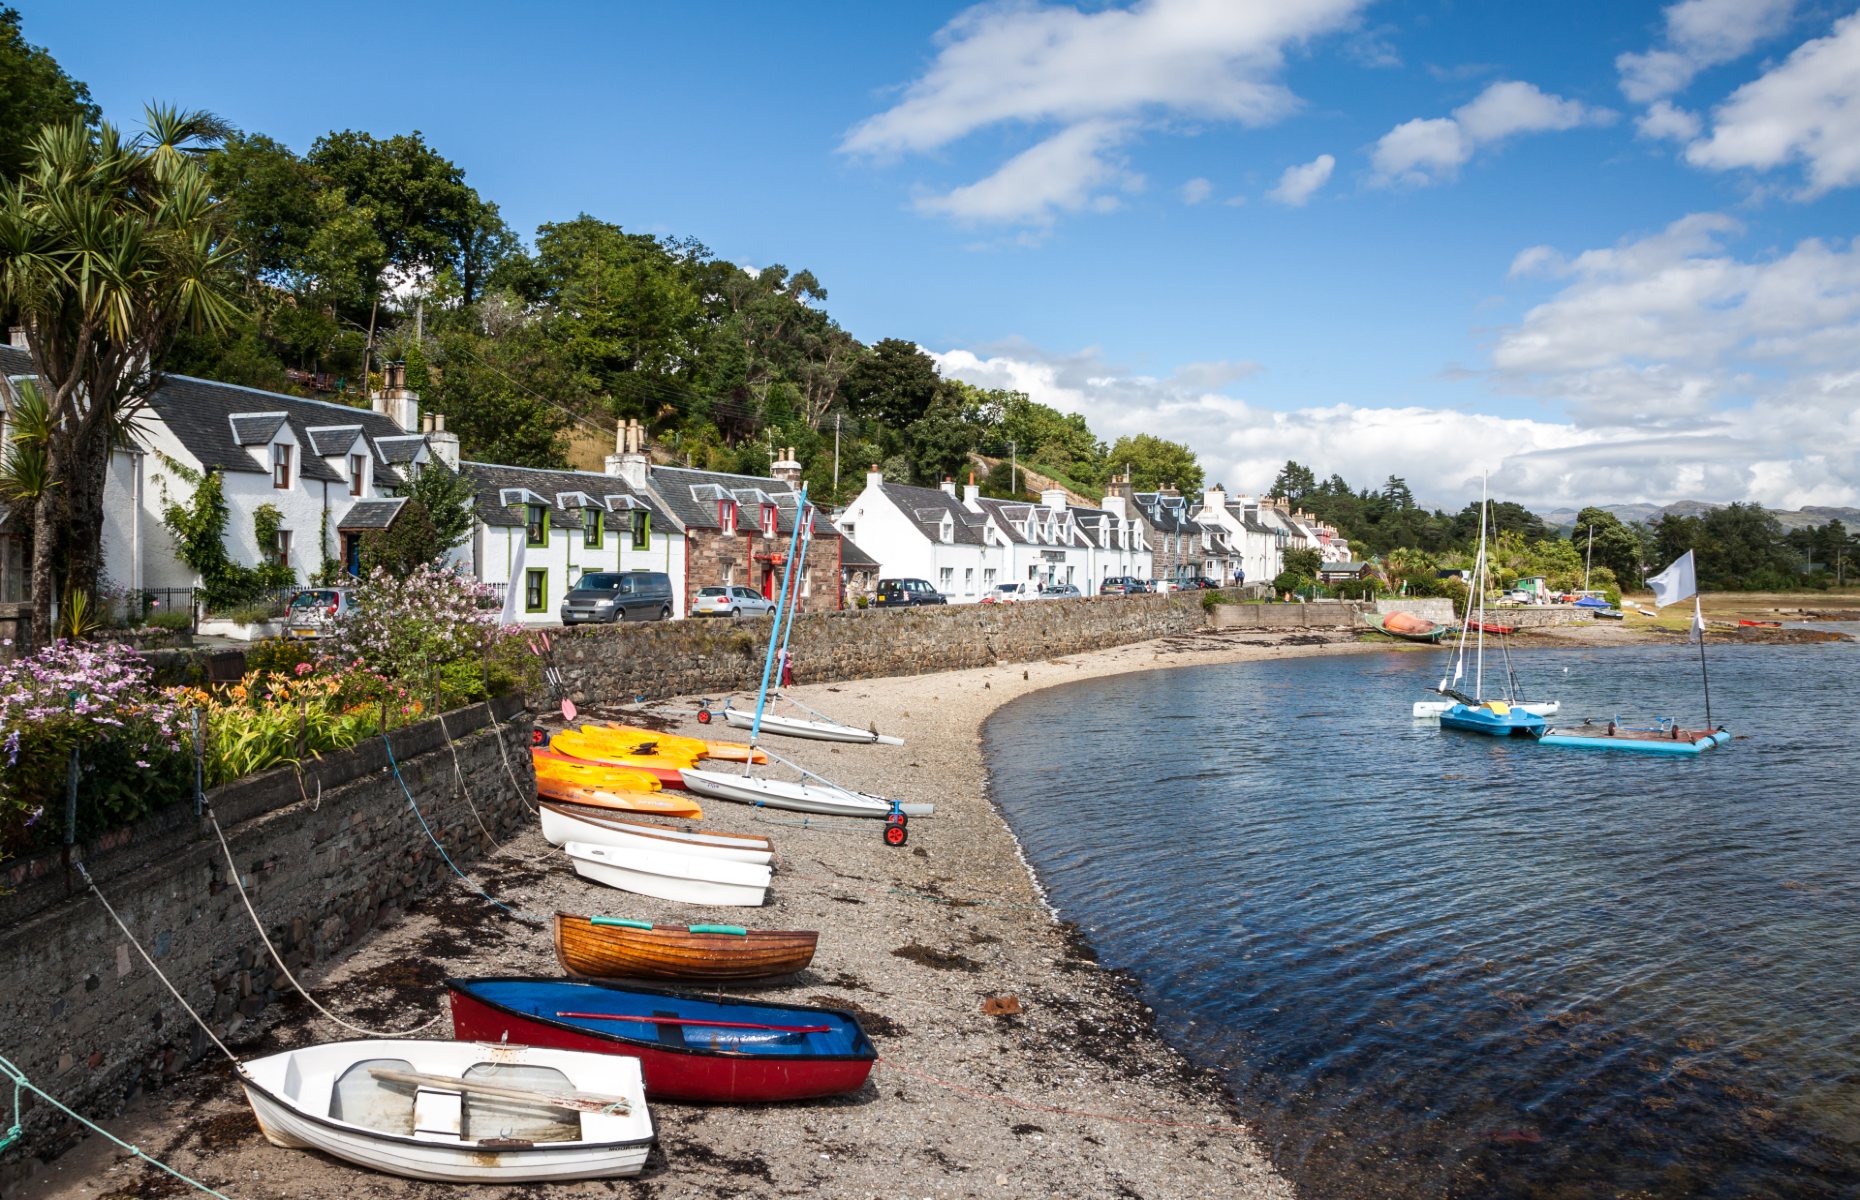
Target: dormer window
{"type": "Point", "coordinates": [946, 532]}
{"type": "Point", "coordinates": [536, 532]}
{"type": "Point", "coordinates": [358, 468]}
{"type": "Point", "coordinates": [726, 515]}
{"type": "Point", "coordinates": [280, 464]}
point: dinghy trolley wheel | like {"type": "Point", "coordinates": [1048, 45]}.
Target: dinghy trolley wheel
{"type": "Point", "coordinates": [897, 830]}
{"type": "Point", "coordinates": [539, 737]}
{"type": "Point", "coordinates": [703, 712]}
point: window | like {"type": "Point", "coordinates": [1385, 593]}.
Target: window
{"type": "Point", "coordinates": [352, 553]}
{"type": "Point", "coordinates": [536, 589]}
{"type": "Point", "coordinates": [281, 552]}
{"type": "Point", "coordinates": [988, 578]}
{"type": "Point", "coordinates": [280, 465]}
{"type": "Point", "coordinates": [968, 581]}
{"type": "Point", "coordinates": [642, 529]}
{"type": "Point", "coordinates": [726, 515]}
{"type": "Point", "coordinates": [591, 531]}
{"type": "Point", "coordinates": [358, 469]}
{"type": "Point", "coordinates": [768, 520]}
{"type": "Point", "coordinates": [807, 584]}
{"type": "Point", "coordinates": [538, 531]}
{"type": "Point", "coordinates": [945, 579]}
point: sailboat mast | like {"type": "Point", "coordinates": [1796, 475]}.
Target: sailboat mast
{"type": "Point", "coordinates": [781, 609]}
{"type": "Point", "coordinates": [1705, 675]}
{"type": "Point", "coordinates": [1479, 675]}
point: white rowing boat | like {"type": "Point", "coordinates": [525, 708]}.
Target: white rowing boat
{"type": "Point", "coordinates": [686, 878]}
{"type": "Point", "coordinates": [822, 798]}
{"type": "Point", "coordinates": [1538, 708]}
{"type": "Point", "coordinates": [819, 731]}
{"type": "Point", "coordinates": [565, 823]}
{"type": "Point", "coordinates": [456, 1112]}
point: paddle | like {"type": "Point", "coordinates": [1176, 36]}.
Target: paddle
{"type": "Point", "coordinates": [590, 1016]}
{"type": "Point", "coordinates": [571, 1102]}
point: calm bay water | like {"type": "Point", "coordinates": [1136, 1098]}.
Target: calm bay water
{"type": "Point", "coordinates": [1442, 964]}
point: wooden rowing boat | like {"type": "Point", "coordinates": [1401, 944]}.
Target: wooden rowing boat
{"type": "Point", "coordinates": [565, 823]}
{"type": "Point", "coordinates": [609, 948]}
{"type": "Point", "coordinates": [656, 804]}
{"type": "Point", "coordinates": [689, 1047]}
{"type": "Point", "coordinates": [456, 1112]}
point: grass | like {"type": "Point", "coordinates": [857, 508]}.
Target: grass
{"type": "Point", "coordinates": [1753, 606]}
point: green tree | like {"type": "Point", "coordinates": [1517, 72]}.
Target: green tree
{"type": "Point", "coordinates": [109, 247]}
{"type": "Point", "coordinates": [894, 383]}
{"type": "Point", "coordinates": [34, 92]}
{"type": "Point", "coordinates": [1156, 462]}
{"type": "Point", "coordinates": [410, 542]}
{"type": "Point", "coordinates": [1294, 482]}
{"type": "Point", "coordinates": [447, 499]}
{"type": "Point", "coordinates": [1614, 546]}
{"type": "Point", "coordinates": [504, 394]}
{"type": "Point", "coordinates": [938, 443]}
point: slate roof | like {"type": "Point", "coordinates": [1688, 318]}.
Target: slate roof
{"type": "Point", "coordinates": [257, 429]}
{"type": "Point", "coordinates": [850, 554]}
{"type": "Point", "coordinates": [1166, 514]}
{"type": "Point", "coordinates": [403, 448]}
{"type": "Point", "coordinates": [1006, 513]}
{"type": "Point", "coordinates": [370, 514]}
{"type": "Point", "coordinates": [489, 480]}
{"type": "Point", "coordinates": [927, 506]}
{"type": "Point", "coordinates": [327, 441]}
{"type": "Point", "coordinates": [672, 487]}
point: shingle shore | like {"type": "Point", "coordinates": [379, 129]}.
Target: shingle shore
{"type": "Point", "coordinates": [914, 939]}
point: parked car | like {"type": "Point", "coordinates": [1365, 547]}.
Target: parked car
{"type": "Point", "coordinates": [1199, 583]}
{"type": "Point", "coordinates": [1009, 593]}
{"type": "Point", "coordinates": [1059, 591]}
{"type": "Point", "coordinates": [313, 610]}
{"type": "Point", "coordinates": [1142, 586]}
{"type": "Point", "coordinates": [731, 602]}
{"type": "Point", "coordinates": [1117, 585]}
{"type": "Point", "coordinates": [610, 596]}
{"type": "Point", "coordinates": [1165, 586]}
{"type": "Point", "coordinates": [902, 593]}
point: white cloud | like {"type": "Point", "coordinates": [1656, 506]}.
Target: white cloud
{"type": "Point", "coordinates": [1064, 173]}
{"type": "Point", "coordinates": [1806, 110]}
{"type": "Point", "coordinates": [1020, 63]}
{"type": "Point", "coordinates": [1431, 150]}
{"type": "Point", "coordinates": [1666, 121]}
{"type": "Point", "coordinates": [1681, 370]}
{"type": "Point", "coordinates": [1298, 184]}
{"type": "Point", "coordinates": [1197, 191]}
{"type": "Point", "coordinates": [1699, 34]}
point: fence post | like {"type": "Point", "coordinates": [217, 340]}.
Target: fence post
{"type": "Point", "coordinates": [71, 782]}
{"type": "Point", "coordinates": [200, 792]}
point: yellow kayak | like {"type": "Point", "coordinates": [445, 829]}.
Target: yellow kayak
{"type": "Point", "coordinates": [611, 743]}
{"type": "Point", "coordinates": [583, 773]}
{"type": "Point", "coordinates": [660, 804]}
{"type": "Point", "coordinates": [671, 743]}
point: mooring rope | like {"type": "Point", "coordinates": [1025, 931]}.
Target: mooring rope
{"type": "Point", "coordinates": [497, 733]}
{"type": "Point", "coordinates": [21, 1083]}
{"type": "Point", "coordinates": [458, 773]}
{"type": "Point", "coordinates": [1057, 1110]}
{"type": "Point", "coordinates": [526, 918]}
{"type": "Point", "coordinates": [233, 869]}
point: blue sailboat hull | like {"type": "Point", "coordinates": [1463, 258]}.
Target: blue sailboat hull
{"type": "Point", "coordinates": [1516, 723]}
{"type": "Point", "coordinates": [1578, 741]}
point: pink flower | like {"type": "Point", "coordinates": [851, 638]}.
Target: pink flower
{"type": "Point", "coordinates": [304, 668]}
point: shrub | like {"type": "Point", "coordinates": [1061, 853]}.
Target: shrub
{"type": "Point", "coordinates": [251, 614]}
{"type": "Point", "coordinates": [435, 632]}
{"type": "Point", "coordinates": [1212, 598]}
{"type": "Point", "coordinates": [1356, 589]}
{"type": "Point", "coordinates": [173, 622]}
{"type": "Point", "coordinates": [94, 698]}
{"type": "Point", "coordinates": [275, 717]}
{"type": "Point", "coordinates": [1291, 581]}
{"type": "Point", "coordinates": [278, 654]}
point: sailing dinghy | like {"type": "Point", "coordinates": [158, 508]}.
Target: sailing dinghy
{"type": "Point", "coordinates": [813, 795]}
{"type": "Point", "coordinates": [456, 1112]}
{"type": "Point", "coordinates": [565, 823]}
{"type": "Point", "coordinates": [820, 729]}
{"type": "Point", "coordinates": [686, 878]}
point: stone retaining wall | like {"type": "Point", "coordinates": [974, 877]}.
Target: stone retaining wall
{"type": "Point", "coordinates": [618, 663]}
{"type": "Point", "coordinates": [86, 1019]}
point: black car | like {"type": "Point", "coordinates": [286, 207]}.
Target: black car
{"type": "Point", "coordinates": [1200, 583]}
{"type": "Point", "coordinates": [902, 593]}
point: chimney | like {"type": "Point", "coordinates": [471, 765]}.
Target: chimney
{"type": "Point", "coordinates": [1054, 498]}
{"type": "Point", "coordinates": [1168, 489]}
{"type": "Point", "coordinates": [949, 487]}
{"type": "Point", "coordinates": [970, 494]}
{"type": "Point", "coordinates": [16, 338]}
{"type": "Point", "coordinates": [445, 446]}
{"type": "Point", "coordinates": [1214, 498]}
{"type": "Point", "coordinates": [395, 400]}
{"type": "Point", "coordinates": [787, 468]}
{"type": "Point", "coordinates": [629, 463]}
{"type": "Point", "coordinates": [874, 476]}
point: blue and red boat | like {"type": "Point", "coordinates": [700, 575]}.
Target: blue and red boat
{"type": "Point", "coordinates": [689, 1047]}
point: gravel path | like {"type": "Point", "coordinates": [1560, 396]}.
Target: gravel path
{"type": "Point", "coordinates": [914, 939]}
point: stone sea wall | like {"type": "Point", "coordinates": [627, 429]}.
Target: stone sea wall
{"type": "Point", "coordinates": [83, 1016]}
{"type": "Point", "coordinates": [619, 663]}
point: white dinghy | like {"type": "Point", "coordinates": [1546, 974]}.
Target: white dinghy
{"type": "Point", "coordinates": [1431, 709]}
{"type": "Point", "coordinates": [565, 823]}
{"type": "Point", "coordinates": [686, 878]}
{"type": "Point", "coordinates": [797, 796]}
{"type": "Point", "coordinates": [821, 730]}
{"type": "Point", "coordinates": [456, 1112]}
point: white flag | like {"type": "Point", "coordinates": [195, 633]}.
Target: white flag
{"type": "Point", "coordinates": [509, 615]}
{"type": "Point", "coordinates": [1697, 632]}
{"type": "Point", "coordinates": [1676, 583]}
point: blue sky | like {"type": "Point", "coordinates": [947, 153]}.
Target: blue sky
{"type": "Point", "coordinates": [1602, 250]}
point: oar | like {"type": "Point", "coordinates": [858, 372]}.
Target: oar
{"type": "Point", "coordinates": [569, 1101]}
{"type": "Point", "coordinates": [589, 1016]}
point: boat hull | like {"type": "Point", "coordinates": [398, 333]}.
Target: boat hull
{"type": "Point", "coordinates": [1432, 633]}
{"type": "Point", "coordinates": [616, 1145]}
{"type": "Point", "coordinates": [562, 824]}
{"type": "Point", "coordinates": [1537, 708]}
{"type": "Point", "coordinates": [819, 731]}
{"type": "Point", "coordinates": [588, 950]}
{"type": "Point", "coordinates": [795, 797]}
{"type": "Point", "coordinates": [1491, 723]}
{"type": "Point", "coordinates": [655, 804]}
{"type": "Point", "coordinates": [675, 1065]}
{"type": "Point", "coordinates": [685, 878]}
{"type": "Point", "coordinates": [1578, 739]}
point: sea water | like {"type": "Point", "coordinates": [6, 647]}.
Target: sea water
{"type": "Point", "coordinates": [1433, 963]}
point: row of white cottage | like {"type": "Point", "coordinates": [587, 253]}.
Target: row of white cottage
{"type": "Point", "coordinates": [965, 544]}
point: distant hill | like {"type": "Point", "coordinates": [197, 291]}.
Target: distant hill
{"type": "Point", "coordinates": [1564, 518]}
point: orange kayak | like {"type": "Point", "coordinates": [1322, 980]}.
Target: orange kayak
{"type": "Point", "coordinates": [666, 773]}
{"type": "Point", "coordinates": [579, 773]}
{"type": "Point", "coordinates": [590, 750]}
{"type": "Point", "coordinates": [656, 803]}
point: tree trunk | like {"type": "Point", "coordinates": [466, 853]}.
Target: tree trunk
{"type": "Point", "coordinates": [48, 526]}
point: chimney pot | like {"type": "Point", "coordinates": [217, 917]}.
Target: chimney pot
{"type": "Point", "coordinates": [439, 422]}
{"type": "Point", "coordinates": [16, 338]}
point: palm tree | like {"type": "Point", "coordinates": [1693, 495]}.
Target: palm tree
{"type": "Point", "coordinates": [109, 247]}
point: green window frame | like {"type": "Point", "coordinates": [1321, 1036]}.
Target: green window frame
{"type": "Point", "coordinates": [536, 529]}
{"type": "Point", "coordinates": [536, 589]}
{"type": "Point", "coordinates": [642, 529]}
{"type": "Point", "coordinates": [591, 529]}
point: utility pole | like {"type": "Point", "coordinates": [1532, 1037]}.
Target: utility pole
{"type": "Point", "coordinates": [836, 457]}
{"type": "Point", "coordinates": [1014, 470]}
{"type": "Point", "coordinates": [1588, 559]}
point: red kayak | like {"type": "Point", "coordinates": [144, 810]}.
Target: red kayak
{"type": "Point", "coordinates": [1766, 624]}
{"type": "Point", "coordinates": [1488, 627]}
{"type": "Point", "coordinates": [689, 1047]}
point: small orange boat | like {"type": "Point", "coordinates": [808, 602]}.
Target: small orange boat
{"type": "Point", "coordinates": [580, 773]}
{"type": "Point", "coordinates": [569, 765]}
{"type": "Point", "coordinates": [634, 738]}
{"type": "Point", "coordinates": [658, 804]}
{"type": "Point", "coordinates": [611, 948]}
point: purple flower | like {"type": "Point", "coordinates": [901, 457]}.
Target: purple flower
{"type": "Point", "coordinates": [34, 817]}
{"type": "Point", "coordinates": [12, 748]}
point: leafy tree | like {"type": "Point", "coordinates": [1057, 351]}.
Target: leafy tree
{"type": "Point", "coordinates": [1614, 546]}
{"type": "Point", "coordinates": [1303, 560]}
{"type": "Point", "coordinates": [1156, 462]}
{"type": "Point", "coordinates": [1294, 482]}
{"type": "Point", "coordinates": [34, 92]}
{"type": "Point", "coordinates": [109, 248]}
{"type": "Point", "coordinates": [502, 394]}
{"type": "Point", "coordinates": [939, 441]}
{"type": "Point", "coordinates": [414, 201]}
{"type": "Point", "coordinates": [409, 543]}
{"type": "Point", "coordinates": [1396, 492]}
{"type": "Point", "coordinates": [894, 383]}
{"type": "Point", "coordinates": [447, 499]}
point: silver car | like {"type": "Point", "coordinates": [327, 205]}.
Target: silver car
{"type": "Point", "coordinates": [731, 602]}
